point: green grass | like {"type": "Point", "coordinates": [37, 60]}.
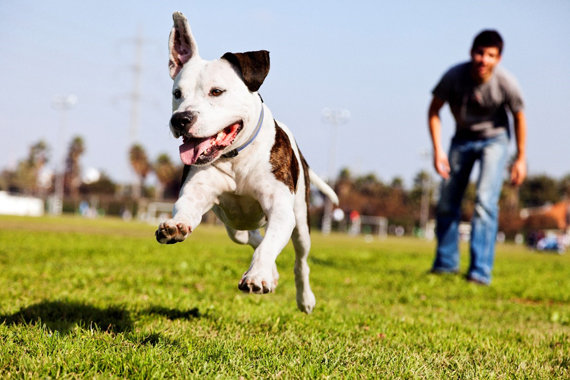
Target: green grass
{"type": "Point", "coordinates": [100, 298]}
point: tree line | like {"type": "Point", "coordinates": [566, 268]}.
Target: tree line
{"type": "Point", "coordinates": [366, 194]}
{"type": "Point", "coordinates": [30, 177]}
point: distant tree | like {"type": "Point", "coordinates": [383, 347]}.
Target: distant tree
{"type": "Point", "coordinates": [421, 179]}
{"type": "Point", "coordinates": [165, 173]}
{"type": "Point", "coordinates": [468, 205]}
{"type": "Point", "coordinates": [395, 203]}
{"type": "Point", "coordinates": [368, 184]}
{"type": "Point", "coordinates": [343, 184]}
{"type": "Point", "coordinates": [25, 177]}
{"type": "Point", "coordinates": [564, 187]}
{"type": "Point", "coordinates": [344, 174]}
{"type": "Point", "coordinates": [39, 153]}
{"type": "Point", "coordinates": [173, 188]}
{"type": "Point", "coordinates": [509, 200]}
{"type": "Point", "coordinates": [141, 166]}
{"type": "Point", "coordinates": [420, 196]}
{"type": "Point", "coordinates": [397, 183]}
{"type": "Point", "coordinates": [4, 180]}
{"type": "Point", "coordinates": [8, 180]}
{"type": "Point", "coordinates": [72, 174]}
{"type": "Point", "coordinates": [538, 190]}
{"type": "Point", "coordinates": [103, 186]}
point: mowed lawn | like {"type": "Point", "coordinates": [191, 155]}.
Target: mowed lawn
{"type": "Point", "coordinates": [100, 298]}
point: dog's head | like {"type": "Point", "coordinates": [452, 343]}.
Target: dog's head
{"type": "Point", "coordinates": [214, 103]}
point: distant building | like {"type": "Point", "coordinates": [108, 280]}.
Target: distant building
{"type": "Point", "coordinates": [552, 216]}
{"type": "Point", "coordinates": [20, 205]}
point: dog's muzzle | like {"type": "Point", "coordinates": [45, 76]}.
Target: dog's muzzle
{"type": "Point", "coordinates": [182, 121]}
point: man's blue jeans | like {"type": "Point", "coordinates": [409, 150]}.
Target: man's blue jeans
{"type": "Point", "coordinates": [492, 154]}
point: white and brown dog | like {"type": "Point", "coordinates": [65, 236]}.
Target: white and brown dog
{"type": "Point", "coordinates": [239, 162]}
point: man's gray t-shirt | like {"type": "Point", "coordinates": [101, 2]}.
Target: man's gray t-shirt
{"type": "Point", "coordinates": [480, 110]}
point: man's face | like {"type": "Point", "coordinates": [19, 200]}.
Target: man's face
{"type": "Point", "coordinates": [484, 60]}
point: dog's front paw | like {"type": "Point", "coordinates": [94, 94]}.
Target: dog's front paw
{"type": "Point", "coordinates": [258, 281]}
{"type": "Point", "coordinates": [171, 232]}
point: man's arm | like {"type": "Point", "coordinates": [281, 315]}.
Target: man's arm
{"type": "Point", "coordinates": [440, 161]}
{"type": "Point", "coordinates": [518, 171]}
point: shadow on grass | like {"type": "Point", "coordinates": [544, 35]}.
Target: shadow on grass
{"type": "Point", "coordinates": [63, 316]}
{"type": "Point", "coordinates": [152, 339]}
{"type": "Point", "coordinates": [173, 314]}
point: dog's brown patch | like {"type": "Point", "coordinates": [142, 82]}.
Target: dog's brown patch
{"type": "Point", "coordinates": [284, 164]}
{"type": "Point", "coordinates": [253, 66]}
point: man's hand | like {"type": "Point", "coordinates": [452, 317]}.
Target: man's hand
{"type": "Point", "coordinates": [518, 172]}
{"type": "Point", "coordinates": [440, 161]}
{"type": "Point", "coordinates": [441, 164]}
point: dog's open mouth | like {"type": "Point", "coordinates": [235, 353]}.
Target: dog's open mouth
{"type": "Point", "coordinates": [200, 151]}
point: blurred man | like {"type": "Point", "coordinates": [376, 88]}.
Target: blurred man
{"type": "Point", "coordinates": [479, 94]}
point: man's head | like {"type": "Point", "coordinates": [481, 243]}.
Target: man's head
{"type": "Point", "coordinates": [486, 54]}
{"type": "Point", "coordinates": [488, 38]}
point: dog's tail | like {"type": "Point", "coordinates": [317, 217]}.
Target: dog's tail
{"type": "Point", "coordinates": [322, 186]}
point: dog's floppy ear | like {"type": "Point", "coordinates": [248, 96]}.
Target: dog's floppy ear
{"type": "Point", "coordinates": [253, 66]}
{"type": "Point", "coordinates": [181, 44]}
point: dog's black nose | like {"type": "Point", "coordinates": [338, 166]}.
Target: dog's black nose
{"type": "Point", "coordinates": [182, 121]}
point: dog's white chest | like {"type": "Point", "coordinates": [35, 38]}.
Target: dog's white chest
{"type": "Point", "coordinates": [241, 212]}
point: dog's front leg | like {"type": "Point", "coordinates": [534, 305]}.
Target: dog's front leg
{"type": "Point", "coordinates": [260, 277]}
{"type": "Point", "coordinates": [195, 200]}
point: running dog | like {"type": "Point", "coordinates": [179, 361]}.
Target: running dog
{"type": "Point", "coordinates": [239, 162]}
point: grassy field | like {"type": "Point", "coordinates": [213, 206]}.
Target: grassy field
{"type": "Point", "coordinates": [100, 298]}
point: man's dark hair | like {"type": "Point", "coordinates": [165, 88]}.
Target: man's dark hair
{"type": "Point", "coordinates": [488, 38]}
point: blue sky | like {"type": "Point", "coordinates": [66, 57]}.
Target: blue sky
{"type": "Point", "coordinates": [377, 59]}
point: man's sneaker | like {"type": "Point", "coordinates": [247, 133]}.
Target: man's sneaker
{"type": "Point", "coordinates": [475, 281]}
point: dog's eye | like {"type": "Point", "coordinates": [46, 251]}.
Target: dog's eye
{"type": "Point", "coordinates": [177, 94]}
{"type": "Point", "coordinates": [216, 92]}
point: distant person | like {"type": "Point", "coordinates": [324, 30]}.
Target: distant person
{"type": "Point", "coordinates": [479, 94]}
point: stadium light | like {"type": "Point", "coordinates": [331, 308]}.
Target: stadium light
{"type": "Point", "coordinates": [334, 117]}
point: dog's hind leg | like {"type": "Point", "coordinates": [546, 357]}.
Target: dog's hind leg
{"type": "Point", "coordinates": [252, 238]}
{"type": "Point", "coordinates": [302, 243]}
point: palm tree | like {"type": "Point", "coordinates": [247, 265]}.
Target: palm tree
{"type": "Point", "coordinates": [72, 169]}
{"type": "Point", "coordinates": [26, 175]}
{"type": "Point", "coordinates": [39, 153]}
{"type": "Point", "coordinates": [165, 173]}
{"type": "Point", "coordinates": [141, 166]}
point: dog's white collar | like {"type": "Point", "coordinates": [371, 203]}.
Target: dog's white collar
{"type": "Point", "coordinates": [235, 152]}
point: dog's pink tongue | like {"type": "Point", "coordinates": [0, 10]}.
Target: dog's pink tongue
{"type": "Point", "coordinates": [191, 150]}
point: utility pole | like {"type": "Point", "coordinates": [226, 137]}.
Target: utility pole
{"type": "Point", "coordinates": [63, 104]}
{"type": "Point", "coordinates": [335, 118]}
{"type": "Point", "coordinates": [135, 95]}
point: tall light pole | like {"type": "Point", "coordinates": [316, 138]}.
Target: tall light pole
{"type": "Point", "coordinates": [63, 104]}
{"type": "Point", "coordinates": [335, 117]}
